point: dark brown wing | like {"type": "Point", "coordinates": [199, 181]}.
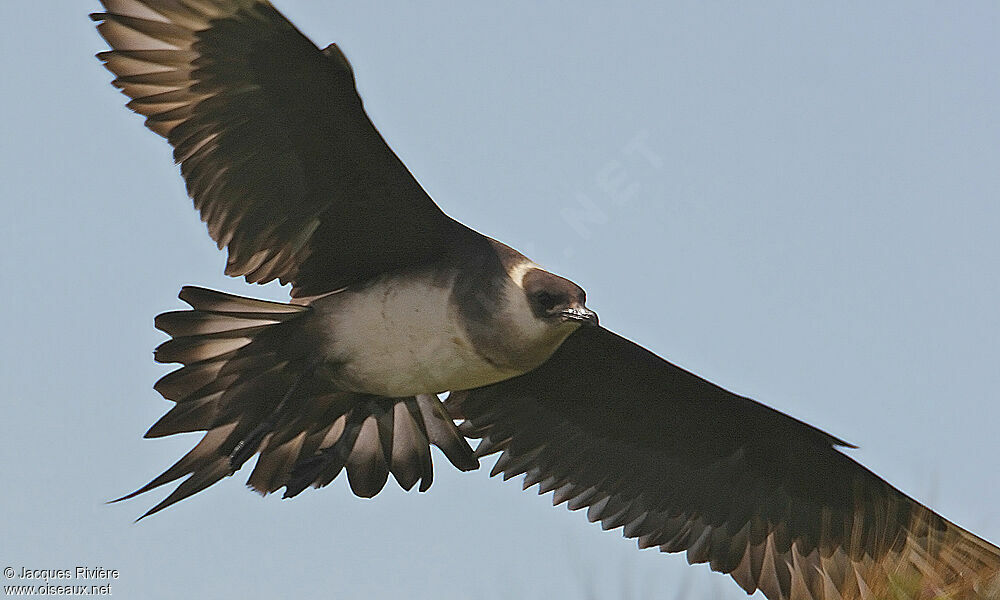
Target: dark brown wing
{"type": "Point", "coordinates": [687, 466]}
{"type": "Point", "coordinates": [274, 144]}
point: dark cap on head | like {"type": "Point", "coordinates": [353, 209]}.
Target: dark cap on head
{"type": "Point", "coordinates": [553, 297]}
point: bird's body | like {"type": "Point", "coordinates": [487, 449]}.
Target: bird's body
{"type": "Point", "coordinates": [419, 331]}
{"type": "Point", "coordinates": [393, 302]}
{"type": "Point", "coordinates": [400, 336]}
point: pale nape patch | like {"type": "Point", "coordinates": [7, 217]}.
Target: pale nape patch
{"type": "Point", "coordinates": [518, 271]}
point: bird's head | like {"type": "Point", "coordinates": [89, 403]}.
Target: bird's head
{"type": "Point", "coordinates": [555, 299]}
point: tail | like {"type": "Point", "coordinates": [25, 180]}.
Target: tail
{"type": "Point", "coordinates": [249, 381]}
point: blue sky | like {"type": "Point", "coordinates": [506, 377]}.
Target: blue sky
{"type": "Point", "coordinates": [798, 202]}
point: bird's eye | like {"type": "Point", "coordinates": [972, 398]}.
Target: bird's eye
{"type": "Point", "coordinates": [546, 300]}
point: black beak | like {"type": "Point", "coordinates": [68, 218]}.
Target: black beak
{"type": "Point", "coordinates": [582, 315]}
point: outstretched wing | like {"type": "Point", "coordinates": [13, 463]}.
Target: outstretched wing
{"type": "Point", "coordinates": [687, 466]}
{"type": "Point", "coordinates": [273, 141]}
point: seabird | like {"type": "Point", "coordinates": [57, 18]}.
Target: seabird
{"type": "Point", "coordinates": [393, 302]}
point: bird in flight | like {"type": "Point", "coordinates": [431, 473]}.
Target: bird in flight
{"type": "Point", "coordinates": [393, 303]}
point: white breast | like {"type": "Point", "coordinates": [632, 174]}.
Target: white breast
{"type": "Point", "coordinates": [399, 337]}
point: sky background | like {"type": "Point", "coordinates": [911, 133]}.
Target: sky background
{"type": "Point", "coordinates": [796, 201]}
